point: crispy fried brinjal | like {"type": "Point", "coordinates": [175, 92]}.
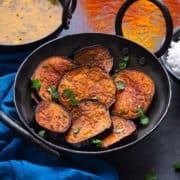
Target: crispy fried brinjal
{"type": "Point", "coordinates": [86, 83]}
{"type": "Point", "coordinates": [48, 74]}
{"type": "Point", "coordinates": [137, 92]}
{"type": "Point", "coordinates": [90, 119]}
{"type": "Point", "coordinates": [121, 129]}
{"type": "Point", "coordinates": [52, 117]}
{"type": "Point", "coordinates": [95, 56]}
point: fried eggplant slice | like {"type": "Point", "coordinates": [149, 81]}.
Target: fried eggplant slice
{"type": "Point", "coordinates": [90, 118]}
{"type": "Point", "coordinates": [122, 128]}
{"type": "Point", "coordinates": [49, 73]}
{"type": "Point", "coordinates": [52, 116]}
{"type": "Point", "coordinates": [95, 56]}
{"type": "Point", "coordinates": [138, 92]}
{"type": "Point", "coordinates": [87, 83]}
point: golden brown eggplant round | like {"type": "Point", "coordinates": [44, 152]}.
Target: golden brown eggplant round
{"type": "Point", "coordinates": [87, 83]}
{"type": "Point", "coordinates": [52, 116]}
{"type": "Point", "coordinates": [138, 92]}
{"type": "Point", "coordinates": [121, 129]}
{"type": "Point", "coordinates": [95, 56]}
{"type": "Point", "coordinates": [90, 118]}
{"type": "Point", "coordinates": [49, 73]}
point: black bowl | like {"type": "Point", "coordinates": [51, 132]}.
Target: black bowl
{"type": "Point", "coordinates": [68, 9]}
{"type": "Point", "coordinates": [175, 38]}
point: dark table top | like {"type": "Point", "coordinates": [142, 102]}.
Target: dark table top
{"type": "Point", "coordinates": [157, 152]}
{"type": "Point", "coordinates": [161, 149]}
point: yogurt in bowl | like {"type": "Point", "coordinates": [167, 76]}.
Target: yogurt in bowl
{"type": "Point", "coordinates": [171, 59]}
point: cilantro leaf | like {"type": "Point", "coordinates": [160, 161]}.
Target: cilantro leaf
{"type": "Point", "coordinates": [144, 120]}
{"type": "Point", "coordinates": [140, 112]}
{"type": "Point", "coordinates": [70, 95]}
{"type": "Point", "coordinates": [74, 101]}
{"type": "Point", "coordinates": [36, 84]}
{"type": "Point", "coordinates": [177, 167]}
{"type": "Point", "coordinates": [97, 142]}
{"type": "Point", "coordinates": [150, 176]}
{"type": "Point", "coordinates": [42, 133]}
{"type": "Point", "coordinates": [120, 85]}
{"type": "Point", "coordinates": [122, 66]}
{"type": "Point", "coordinates": [54, 93]}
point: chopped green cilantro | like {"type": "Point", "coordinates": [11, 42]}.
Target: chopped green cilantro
{"type": "Point", "coordinates": [97, 142]}
{"type": "Point", "coordinates": [54, 93]}
{"type": "Point", "coordinates": [36, 84]}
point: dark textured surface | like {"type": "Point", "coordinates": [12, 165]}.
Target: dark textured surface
{"type": "Point", "coordinates": [157, 152]}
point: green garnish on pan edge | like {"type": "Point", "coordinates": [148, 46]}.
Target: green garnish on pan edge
{"type": "Point", "coordinates": [151, 176]}
{"type": "Point", "coordinates": [35, 84]}
{"type": "Point", "coordinates": [177, 167]}
{"type": "Point", "coordinates": [42, 133]}
{"type": "Point", "coordinates": [70, 95]}
{"type": "Point", "coordinates": [54, 93]}
{"type": "Point", "coordinates": [120, 85]}
{"type": "Point", "coordinates": [97, 142]}
{"type": "Point", "coordinates": [123, 65]}
{"type": "Point", "coordinates": [144, 120]}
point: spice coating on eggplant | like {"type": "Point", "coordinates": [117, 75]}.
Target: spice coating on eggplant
{"type": "Point", "coordinates": [52, 116]}
{"type": "Point", "coordinates": [49, 73]}
{"type": "Point", "coordinates": [95, 56]}
{"type": "Point", "coordinates": [90, 118]}
{"type": "Point", "coordinates": [87, 83]}
{"type": "Point", "coordinates": [138, 92]}
{"type": "Point", "coordinates": [121, 128]}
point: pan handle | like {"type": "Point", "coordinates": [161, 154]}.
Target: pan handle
{"type": "Point", "coordinates": [15, 125]}
{"type": "Point", "coordinates": [167, 17]}
{"type": "Point", "coordinates": [69, 8]}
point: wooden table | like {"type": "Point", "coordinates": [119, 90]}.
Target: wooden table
{"type": "Point", "coordinates": [160, 150]}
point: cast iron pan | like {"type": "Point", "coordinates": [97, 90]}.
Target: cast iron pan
{"type": "Point", "coordinates": [140, 59]}
{"type": "Point", "coordinates": [69, 7]}
{"type": "Point", "coordinates": [65, 47]}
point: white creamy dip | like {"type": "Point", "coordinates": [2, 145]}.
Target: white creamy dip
{"type": "Point", "coordinates": [173, 58]}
